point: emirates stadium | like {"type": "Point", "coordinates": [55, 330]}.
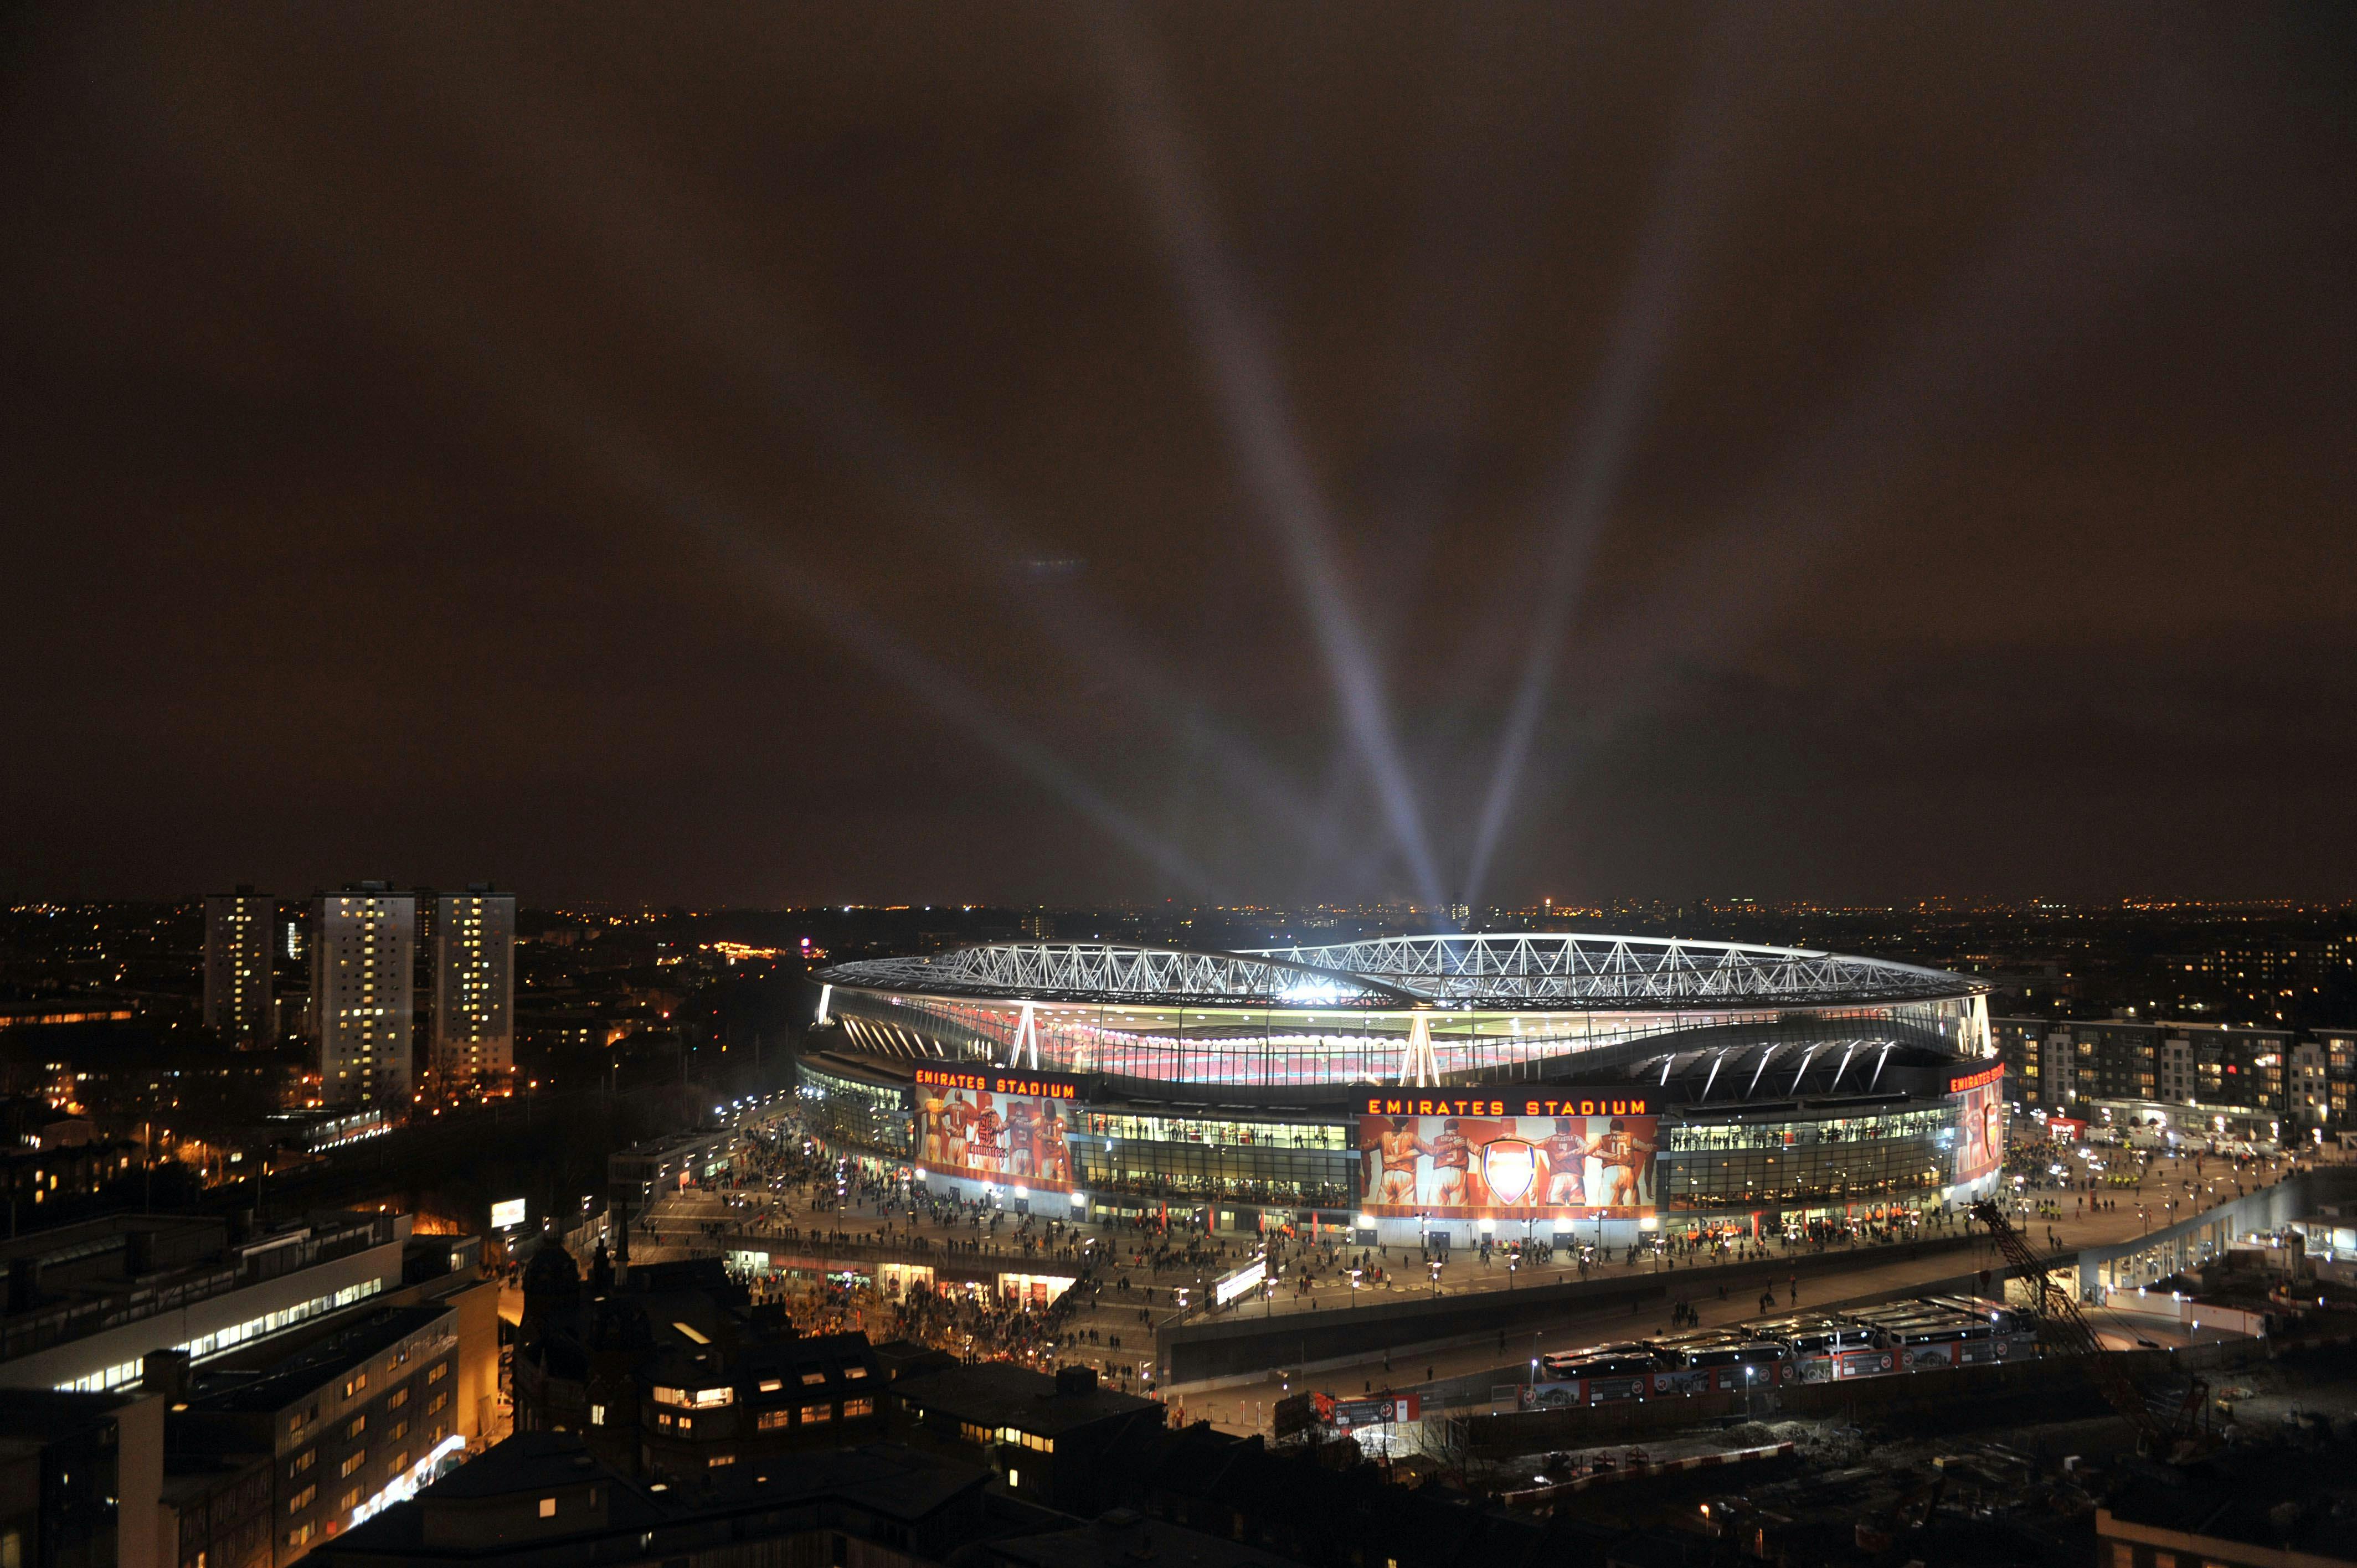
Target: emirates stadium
{"type": "Point", "coordinates": [1430, 1090]}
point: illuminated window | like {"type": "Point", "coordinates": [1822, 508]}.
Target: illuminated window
{"type": "Point", "coordinates": [770, 1420]}
{"type": "Point", "coordinates": [353, 1462]}
{"type": "Point", "coordinates": [858, 1407]}
{"type": "Point", "coordinates": [302, 1499]}
{"type": "Point", "coordinates": [548, 1507]}
{"type": "Point", "coordinates": [816, 1414]}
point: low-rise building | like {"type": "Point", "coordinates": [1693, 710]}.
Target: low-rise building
{"type": "Point", "coordinates": [356, 1414]}
{"type": "Point", "coordinates": [677, 1373]}
{"type": "Point", "coordinates": [216, 1509]}
{"type": "Point", "coordinates": [546, 1497]}
{"type": "Point", "coordinates": [87, 1302]}
{"type": "Point", "coordinates": [1046, 1436]}
{"type": "Point", "coordinates": [80, 1478]}
{"type": "Point", "coordinates": [635, 1175]}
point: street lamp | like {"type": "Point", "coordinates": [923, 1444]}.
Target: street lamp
{"type": "Point", "coordinates": [1354, 1288]}
{"type": "Point", "coordinates": [1435, 1267]}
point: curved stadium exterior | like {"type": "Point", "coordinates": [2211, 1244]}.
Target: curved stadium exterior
{"type": "Point", "coordinates": [1431, 1089]}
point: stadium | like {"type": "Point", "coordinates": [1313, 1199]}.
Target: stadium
{"type": "Point", "coordinates": [1431, 1090]}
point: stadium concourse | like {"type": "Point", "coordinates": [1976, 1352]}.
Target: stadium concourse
{"type": "Point", "coordinates": [803, 1215]}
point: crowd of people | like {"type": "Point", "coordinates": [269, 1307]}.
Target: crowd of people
{"type": "Point", "coordinates": [1130, 1271]}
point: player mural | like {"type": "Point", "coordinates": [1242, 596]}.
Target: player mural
{"type": "Point", "coordinates": [966, 1127]}
{"type": "Point", "coordinates": [1581, 1163]}
{"type": "Point", "coordinates": [1980, 1118]}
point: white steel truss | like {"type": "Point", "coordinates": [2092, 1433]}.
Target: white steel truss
{"type": "Point", "coordinates": [1584, 969]}
{"type": "Point", "coordinates": [1419, 1069]}
{"type": "Point", "coordinates": [1095, 971]}
{"type": "Point", "coordinates": [1571, 971]}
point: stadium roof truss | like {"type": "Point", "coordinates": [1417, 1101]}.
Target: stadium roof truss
{"type": "Point", "coordinates": [1107, 972]}
{"type": "Point", "coordinates": [1510, 971]}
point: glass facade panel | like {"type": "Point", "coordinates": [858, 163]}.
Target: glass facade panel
{"type": "Point", "coordinates": [1333, 1136]}
{"type": "Point", "coordinates": [1256, 1175]}
{"type": "Point", "coordinates": [844, 1110]}
{"type": "Point", "coordinates": [1791, 1164]}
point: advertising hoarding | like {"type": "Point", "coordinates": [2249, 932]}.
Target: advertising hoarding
{"type": "Point", "coordinates": [1980, 1117]}
{"type": "Point", "coordinates": [1349, 1414]}
{"type": "Point", "coordinates": [505, 1214]}
{"type": "Point", "coordinates": [1589, 1157]}
{"type": "Point", "coordinates": [996, 1127]}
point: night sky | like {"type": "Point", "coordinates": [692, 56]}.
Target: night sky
{"type": "Point", "coordinates": [938, 453]}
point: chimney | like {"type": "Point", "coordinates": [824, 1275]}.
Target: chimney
{"type": "Point", "coordinates": [1075, 1382]}
{"type": "Point", "coordinates": [164, 1373]}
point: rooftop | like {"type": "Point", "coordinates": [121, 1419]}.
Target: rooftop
{"type": "Point", "coordinates": [998, 1393]}
{"type": "Point", "coordinates": [882, 1479]}
{"type": "Point", "coordinates": [275, 1375]}
{"type": "Point", "coordinates": [1121, 1538]}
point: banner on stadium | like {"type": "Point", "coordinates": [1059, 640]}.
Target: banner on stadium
{"type": "Point", "coordinates": [1483, 1165]}
{"type": "Point", "coordinates": [1980, 1117]}
{"type": "Point", "coordinates": [1015, 1140]}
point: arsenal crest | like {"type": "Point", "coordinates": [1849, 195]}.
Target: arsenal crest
{"type": "Point", "coordinates": [1510, 1168]}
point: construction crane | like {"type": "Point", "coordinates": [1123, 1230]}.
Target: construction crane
{"type": "Point", "coordinates": [2160, 1432]}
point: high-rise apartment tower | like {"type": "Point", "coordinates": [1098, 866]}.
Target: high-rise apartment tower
{"type": "Point", "coordinates": [363, 942]}
{"type": "Point", "coordinates": [473, 983]}
{"type": "Point", "coordinates": [237, 967]}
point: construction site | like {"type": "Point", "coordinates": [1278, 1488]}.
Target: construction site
{"type": "Point", "coordinates": [2026, 1426]}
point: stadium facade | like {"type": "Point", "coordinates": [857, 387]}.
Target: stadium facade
{"type": "Point", "coordinates": [1431, 1090]}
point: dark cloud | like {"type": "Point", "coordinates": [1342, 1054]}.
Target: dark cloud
{"type": "Point", "coordinates": [615, 451]}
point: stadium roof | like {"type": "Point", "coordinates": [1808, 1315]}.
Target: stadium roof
{"type": "Point", "coordinates": [1517, 971]}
